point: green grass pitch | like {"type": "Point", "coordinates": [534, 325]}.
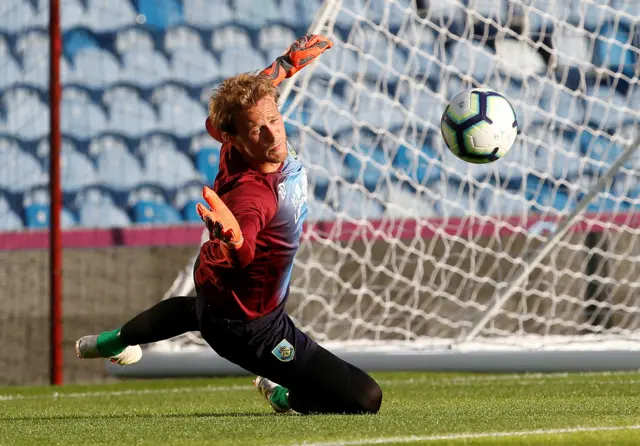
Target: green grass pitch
{"type": "Point", "coordinates": [418, 408]}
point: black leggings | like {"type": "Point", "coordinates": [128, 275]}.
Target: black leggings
{"type": "Point", "coordinates": [323, 384]}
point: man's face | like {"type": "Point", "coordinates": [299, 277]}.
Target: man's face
{"type": "Point", "coordinates": [261, 132]}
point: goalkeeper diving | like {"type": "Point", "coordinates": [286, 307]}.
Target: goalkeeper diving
{"type": "Point", "coordinates": [242, 275]}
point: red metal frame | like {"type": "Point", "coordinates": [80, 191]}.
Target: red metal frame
{"type": "Point", "coordinates": [55, 236]}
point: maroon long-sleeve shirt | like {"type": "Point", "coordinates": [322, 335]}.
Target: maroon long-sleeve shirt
{"type": "Point", "coordinates": [270, 209]}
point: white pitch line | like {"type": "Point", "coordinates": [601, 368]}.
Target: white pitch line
{"type": "Point", "coordinates": [471, 436]}
{"type": "Point", "coordinates": [521, 379]}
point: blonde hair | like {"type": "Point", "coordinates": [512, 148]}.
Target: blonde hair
{"type": "Point", "coordinates": [236, 94]}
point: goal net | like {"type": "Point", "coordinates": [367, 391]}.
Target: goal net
{"type": "Point", "coordinates": [407, 244]}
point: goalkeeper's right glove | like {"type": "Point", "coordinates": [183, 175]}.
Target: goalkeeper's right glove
{"type": "Point", "coordinates": [220, 222]}
{"type": "Point", "coordinates": [299, 54]}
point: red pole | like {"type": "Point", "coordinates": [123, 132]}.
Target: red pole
{"type": "Point", "coordinates": [55, 237]}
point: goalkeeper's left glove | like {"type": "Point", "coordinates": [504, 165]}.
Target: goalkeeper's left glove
{"type": "Point", "coordinates": [220, 222]}
{"type": "Point", "coordinates": [299, 54]}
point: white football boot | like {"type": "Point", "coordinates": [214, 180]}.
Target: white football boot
{"type": "Point", "coordinates": [266, 387]}
{"type": "Point", "coordinates": [87, 348]}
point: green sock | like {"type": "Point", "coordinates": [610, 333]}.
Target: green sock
{"type": "Point", "coordinates": [109, 343]}
{"type": "Point", "coordinates": [280, 397]}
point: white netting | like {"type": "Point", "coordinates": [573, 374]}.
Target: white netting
{"type": "Point", "coordinates": [408, 243]}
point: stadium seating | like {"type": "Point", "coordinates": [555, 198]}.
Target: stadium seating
{"type": "Point", "coordinates": [137, 76]}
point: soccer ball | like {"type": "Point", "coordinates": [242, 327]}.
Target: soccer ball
{"type": "Point", "coordinates": [479, 126]}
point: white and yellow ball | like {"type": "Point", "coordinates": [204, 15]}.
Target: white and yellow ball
{"type": "Point", "coordinates": [479, 126]}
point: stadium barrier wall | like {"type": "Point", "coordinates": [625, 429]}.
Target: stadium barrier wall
{"type": "Point", "coordinates": [112, 275]}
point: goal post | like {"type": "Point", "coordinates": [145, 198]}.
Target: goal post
{"type": "Point", "coordinates": [414, 259]}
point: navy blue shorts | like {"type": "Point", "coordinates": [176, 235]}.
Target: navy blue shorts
{"type": "Point", "coordinates": [270, 346]}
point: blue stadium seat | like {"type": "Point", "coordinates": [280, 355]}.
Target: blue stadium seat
{"type": "Point", "coordinates": [178, 112]}
{"type": "Point", "coordinates": [610, 51]}
{"type": "Point", "coordinates": [366, 160]}
{"type": "Point", "coordinates": [318, 211]}
{"type": "Point", "coordinates": [453, 199]}
{"type": "Point", "coordinates": [357, 7]}
{"type": "Point", "coordinates": [422, 104]}
{"type": "Point", "coordinates": [194, 66]}
{"type": "Point", "coordinates": [608, 204]}
{"type": "Point", "coordinates": [530, 101]}
{"type": "Point", "coordinates": [38, 217]}
{"type": "Point", "coordinates": [564, 105]}
{"type": "Point", "coordinates": [403, 201]}
{"type": "Point", "coordinates": [71, 14]}
{"type": "Point", "coordinates": [607, 109]}
{"type": "Point", "coordinates": [294, 114]}
{"type": "Point", "coordinates": [307, 9]}
{"type": "Point", "coordinates": [573, 48]}
{"type": "Point", "coordinates": [541, 14]}
{"type": "Point", "coordinates": [161, 13]}
{"type": "Point", "coordinates": [503, 203]}
{"type": "Point", "coordinates": [291, 11]}
{"type": "Point", "coordinates": [323, 162]}
{"type": "Point", "coordinates": [186, 199]}
{"type": "Point", "coordinates": [556, 153]}
{"type": "Point", "coordinates": [164, 165]}
{"type": "Point", "coordinates": [76, 40]}
{"type": "Point", "coordinates": [9, 220]}
{"type": "Point", "coordinates": [14, 101]}
{"type": "Point", "coordinates": [191, 63]}
{"type": "Point", "coordinates": [102, 215]}
{"type": "Point", "coordinates": [484, 10]}
{"type": "Point", "coordinates": [10, 71]}
{"type": "Point", "coordinates": [145, 68]}
{"type": "Point", "coordinates": [472, 58]}
{"type": "Point", "coordinates": [96, 67]}
{"type": "Point", "coordinates": [207, 160]}
{"type": "Point", "coordinates": [109, 16]}
{"type": "Point", "coordinates": [37, 212]}
{"type": "Point", "coordinates": [142, 64]}
{"type": "Point", "coordinates": [448, 14]}
{"type": "Point", "coordinates": [97, 209]}
{"type": "Point", "coordinates": [148, 205]}
{"type": "Point", "coordinates": [548, 196]}
{"type": "Point", "coordinates": [206, 154]}
{"type": "Point", "coordinates": [20, 170]}
{"type": "Point", "coordinates": [338, 60]}
{"type": "Point", "coordinates": [627, 10]}
{"type": "Point", "coordinates": [33, 48]}
{"type": "Point", "coordinates": [17, 15]}
{"type": "Point", "coordinates": [378, 111]}
{"type": "Point", "coordinates": [240, 60]}
{"type": "Point", "coordinates": [601, 150]}
{"type": "Point", "coordinates": [200, 13]}
{"type": "Point", "coordinates": [327, 120]}
{"type": "Point", "coordinates": [77, 170]}
{"type": "Point", "coordinates": [424, 62]}
{"type": "Point", "coordinates": [319, 92]}
{"type": "Point", "coordinates": [230, 36]}
{"type": "Point", "coordinates": [254, 14]}
{"type": "Point", "coordinates": [117, 167]}
{"type": "Point", "coordinates": [81, 117]}
{"type": "Point", "coordinates": [128, 113]}
{"type": "Point", "coordinates": [518, 60]}
{"type": "Point", "coordinates": [358, 205]}
{"type": "Point", "coordinates": [374, 44]}
{"type": "Point", "coordinates": [275, 38]}
{"type": "Point", "coordinates": [416, 157]}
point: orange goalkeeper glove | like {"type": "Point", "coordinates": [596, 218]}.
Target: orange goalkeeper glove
{"type": "Point", "coordinates": [220, 222]}
{"type": "Point", "coordinates": [299, 54]}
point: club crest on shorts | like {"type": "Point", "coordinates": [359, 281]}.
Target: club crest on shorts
{"type": "Point", "coordinates": [284, 351]}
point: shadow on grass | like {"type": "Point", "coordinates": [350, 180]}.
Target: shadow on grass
{"type": "Point", "coordinates": [139, 416]}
